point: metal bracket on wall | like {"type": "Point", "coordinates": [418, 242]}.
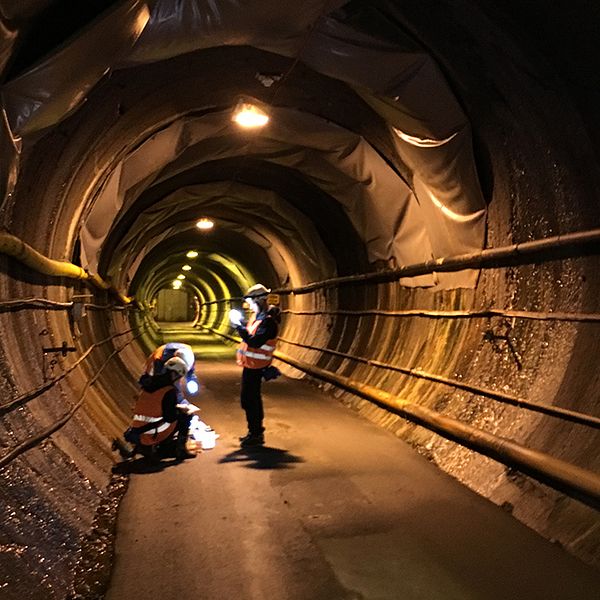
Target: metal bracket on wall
{"type": "Point", "coordinates": [490, 335]}
{"type": "Point", "coordinates": [64, 349]}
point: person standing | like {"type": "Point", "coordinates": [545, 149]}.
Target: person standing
{"type": "Point", "coordinates": [254, 355]}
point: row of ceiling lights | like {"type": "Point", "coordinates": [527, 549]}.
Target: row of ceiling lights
{"type": "Point", "coordinates": [203, 224]}
{"type": "Point", "coordinates": [246, 115]}
{"type": "Point", "coordinates": [178, 282]}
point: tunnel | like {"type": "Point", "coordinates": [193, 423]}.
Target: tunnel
{"type": "Point", "coordinates": [420, 197]}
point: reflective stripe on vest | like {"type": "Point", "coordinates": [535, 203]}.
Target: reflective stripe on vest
{"type": "Point", "coordinates": [148, 409]}
{"type": "Point", "coordinates": [255, 358]}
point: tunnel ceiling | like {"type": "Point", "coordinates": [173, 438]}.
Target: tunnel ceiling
{"type": "Point", "coordinates": [330, 222]}
{"type": "Point", "coordinates": [366, 160]}
{"type": "Point", "coordinates": [117, 136]}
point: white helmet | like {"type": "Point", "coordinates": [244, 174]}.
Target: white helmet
{"type": "Point", "coordinates": [256, 291]}
{"type": "Point", "coordinates": [187, 355]}
{"type": "Point", "coordinates": [178, 365]}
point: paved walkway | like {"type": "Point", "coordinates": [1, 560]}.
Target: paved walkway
{"type": "Point", "coordinates": [333, 508]}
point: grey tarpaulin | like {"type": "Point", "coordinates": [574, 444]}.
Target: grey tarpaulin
{"type": "Point", "coordinates": [7, 40]}
{"type": "Point", "coordinates": [19, 10]}
{"type": "Point", "coordinates": [9, 160]}
{"type": "Point", "coordinates": [440, 212]}
{"type": "Point", "coordinates": [54, 87]}
{"type": "Point", "coordinates": [230, 205]}
{"type": "Point", "coordinates": [341, 163]}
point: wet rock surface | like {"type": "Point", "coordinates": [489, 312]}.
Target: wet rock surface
{"type": "Point", "coordinates": [93, 567]}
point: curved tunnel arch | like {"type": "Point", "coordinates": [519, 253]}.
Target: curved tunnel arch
{"type": "Point", "coordinates": [257, 215]}
{"type": "Point", "coordinates": [542, 176]}
{"type": "Point", "coordinates": [326, 216]}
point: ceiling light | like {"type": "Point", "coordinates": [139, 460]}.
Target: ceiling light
{"type": "Point", "coordinates": [192, 254]}
{"type": "Point", "coordinates": [249, 116]}
{"type": "Point", "coordinates": [205, 224]}
{"type": "Point", "coordinates": [186, 268]}
{"type": "Point", "coordinates": [181, 276]}
{"type": "Point", "coordinates": [176, 284]}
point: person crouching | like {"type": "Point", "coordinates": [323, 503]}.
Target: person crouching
{"type": "Point", "coordinates": [160, 424]}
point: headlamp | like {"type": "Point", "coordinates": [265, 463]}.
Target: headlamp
{"type": "Point", "coordinates": [192, 386]}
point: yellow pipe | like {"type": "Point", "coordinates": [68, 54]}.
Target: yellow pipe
{"type": "Point", "coordinates": [25, 254]}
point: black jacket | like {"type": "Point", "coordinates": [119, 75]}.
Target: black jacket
{"type": "Point", "coordinates": [267, 330]}
{"type": "Point", "coordinates": [151, 383]}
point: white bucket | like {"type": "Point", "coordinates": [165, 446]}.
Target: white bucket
{"type": "Point", "coordinates": [204, 435]}
{"type": "Point", "coordinates": [209, 439]}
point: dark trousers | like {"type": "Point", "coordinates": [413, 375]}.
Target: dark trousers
{"type": "Point", "coordinates": [183, 421]}
{"type": "Point", "coordinates": [251, 400]}
{"type": "Point", "coordinates": [168, 448]}
{"type": "Point", "coordinates": [183, 426]}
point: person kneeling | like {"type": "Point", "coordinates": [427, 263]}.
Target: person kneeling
{"type": "Point", "coordinates": [160, 424]}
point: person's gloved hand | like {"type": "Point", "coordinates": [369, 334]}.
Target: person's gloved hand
{"type": "Point", "coordinates": [236, 318]}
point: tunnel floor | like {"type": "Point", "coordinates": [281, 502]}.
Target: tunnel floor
{"type": "Point", "coordinates": [332, 508]}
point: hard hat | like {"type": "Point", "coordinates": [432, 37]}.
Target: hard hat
{"type": "Point", "coordinates": [178, 365]}
{"type": "Point", "coordinates": [256, 291]}
{"type": "Point", "coordinates": [187, 355]}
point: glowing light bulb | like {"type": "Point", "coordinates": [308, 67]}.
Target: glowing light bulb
{"type": "Point", "coordinates": [181, 276]}
{"type": "Point", "coordinates": [192, 254]}
{"type": "Point", "coordinates": [186, 268]}
{"type": "Point", "coordinates": [205, 224]}
{"type": "Point", "coordinates": [249, 116]}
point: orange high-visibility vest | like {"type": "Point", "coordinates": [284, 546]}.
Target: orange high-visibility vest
{"type": "Point", "coordinates": [156, 355]}
{"type": "Point", "coordinates": [255, 358]}
{"type": "Point", "coordinates": [148, 409]}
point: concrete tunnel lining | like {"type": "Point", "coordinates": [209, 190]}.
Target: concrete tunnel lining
{"type": "Point", "coordinates": [544, 181]}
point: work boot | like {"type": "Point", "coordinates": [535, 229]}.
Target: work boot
{"type": "Point", "coordinates": [181, 452]}
{"type": "Point", "coordinates": [122, 448]}
{"type": "Point", "coordinates": [252, 439]}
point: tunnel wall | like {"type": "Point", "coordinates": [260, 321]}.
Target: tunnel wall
{"type": "Point", "coordinates": [539, 170]}
{"type": "Point", "coordinates": [538, 166]}
{"type": "Point", "coordinates": [51, 493]}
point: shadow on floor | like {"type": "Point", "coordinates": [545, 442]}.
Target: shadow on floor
{"type": "Point", "coordinates": [142, 466]}
{"type": "Point", "coordinates": [262, 457]}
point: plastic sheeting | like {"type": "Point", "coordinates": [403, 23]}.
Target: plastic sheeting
{"type": "Point", "coordinates": [379, 204]}
{"type": "Point", "coordinates": [419, 93]}
{"type": "Point", "coordinates": [442, 214]}
{"type": "Point", "coordinates": [9, 161]}
{"type": "Point", "coordinates": [180, 26]}
{"type": "Point", "coordinates": [52, 89]}
{"type": "Point", "coordinates": [7, 40]}
{"type": "Point", "coordinates": [232, 206]}
{"type": "Point", "coordinates": [18, 10]}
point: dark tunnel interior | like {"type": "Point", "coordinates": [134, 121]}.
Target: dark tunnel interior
{"type": "Point", "coordinates": [424, 197]}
